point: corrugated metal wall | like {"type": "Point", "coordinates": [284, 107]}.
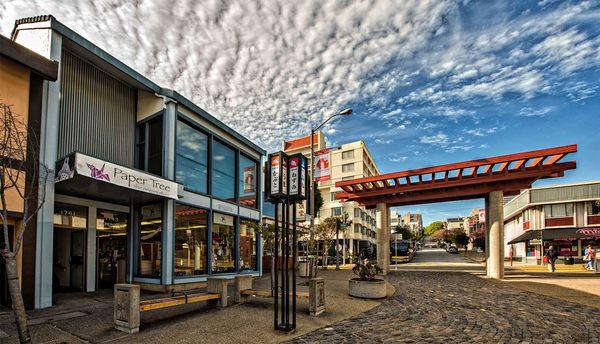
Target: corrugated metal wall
{"type": "Point", "coordinates": [570, 193]}
{"type": "Point", "coordinates": [97, 113]}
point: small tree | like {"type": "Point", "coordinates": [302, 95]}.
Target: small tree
{"type": "Point", "coordinates": [406, 233]}
{"type": "Point", "coordinates": [478, 238]}
{"type": "Point", "coordinates": [326, 231]}
{"type": "Point", "coordinates": [461, 239]}
{"type": "Point", "coordinates": [21, 176]}
{"type": "Point", "coordinates": [312, 250]}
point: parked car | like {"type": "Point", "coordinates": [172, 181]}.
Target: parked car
{"type": "Point", "coordinates": [452, 249]}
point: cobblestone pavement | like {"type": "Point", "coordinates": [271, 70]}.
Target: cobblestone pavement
{"type": "Point", "coordinates": [453, 307]}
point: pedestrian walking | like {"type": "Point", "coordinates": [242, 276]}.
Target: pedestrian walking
{"type": "Point", "coordinates": [589, 257]}
{"type": "Point", "coordinates": [551, 254]}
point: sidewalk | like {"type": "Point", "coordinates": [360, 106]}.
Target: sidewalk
{"type": "Point", "coordinates": [89, 318]}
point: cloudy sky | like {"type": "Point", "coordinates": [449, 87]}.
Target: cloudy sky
{"type": "Point", "coordinates": [430, 82]}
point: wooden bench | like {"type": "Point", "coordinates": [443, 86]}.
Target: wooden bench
{"type": "Point", "coordinates": [244, 292]}
{"type": "Point", "coordinates": [127, 304]}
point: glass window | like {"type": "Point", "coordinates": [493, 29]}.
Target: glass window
{"type": "Point", "coordinates": [190, 241]}
{"type": "Point", "coordinates": [348, 154]}
{"type": "Point", "coordinates": [150, 234]}
{"type": "Point", "coordinates": [356, 212]}
{"type": "Point", "coordinates": [155, 146]}
{"type": "Point", "coordinates": [70, 216]}
{"type": "Point", "coordinates": [558, 210]}
{"type": "Point", "coordinates": [356, 228]}
{"type": "Point", "coordinates": [348, 167]}
{"type": "Point", "coordinates": [248, 246]}
{"type": "Point", "coordinates": [223, 168]}
{"type": "Point", "coordinates": [337, 211]}
{"type": "Point", "coordinates": [223, 243]}
{"type": "Point", "coordinates": [111, 247]}
{"type": "Point", "coordinates": [348, 178]}
{"type": "Point", "coordinates": [333, 194]}
{"type": "Point", "coordinates": [593, 208]}
{"type": "Point", "coordinates": [141, 147]}
{"type": "Point", "coordinates": [248, 182]}
{"type": "Point", "coordinates": [191, 158]}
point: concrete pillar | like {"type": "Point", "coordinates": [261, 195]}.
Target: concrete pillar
{"type": "Point", "coordinates": [383, 237]}
{"type": "Point", "coordinates": [487, 234]}
{"type": "Point", "coordinates": [495, 264]}
{"type": "Point", "coordinates": [90, 284]}
{"type": "Point", "coordinates": [168, 242]}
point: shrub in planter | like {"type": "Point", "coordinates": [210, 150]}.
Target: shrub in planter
{"type": "Point", "coordinates": [366, 285]}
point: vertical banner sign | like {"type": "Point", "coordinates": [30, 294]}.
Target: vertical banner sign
{"type": "Point", "coordinates": [275, 173]}
{"type": "Point", "coordinates": [303, 178]}
{"type": "Point", "coordinates": [294, 176]}
{"type": "Point", "coordinates": [322, 165]}
{"type": "Point", "coordinates": [481, 215]}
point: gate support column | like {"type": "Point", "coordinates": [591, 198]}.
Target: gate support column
{"type": "Point", "coordinates": [495, 214]}
{"type": "Point", "coordinates": [383, 237]}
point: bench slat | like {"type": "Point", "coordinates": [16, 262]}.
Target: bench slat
{"type": "Point", "coordinates": [268, 293]}
{"type": "Point", "coordinates": [166, 302]}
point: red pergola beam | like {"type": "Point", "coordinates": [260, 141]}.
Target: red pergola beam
{"type": "Point", "coordinates": [537, 154]}
{"type": "Point", "coordinates": [534, 173]}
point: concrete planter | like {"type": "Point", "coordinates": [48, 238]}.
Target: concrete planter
{"type": "Point", "coordinates": [304, 269]}
{"type": "Point", "coordinates": [375, 289]}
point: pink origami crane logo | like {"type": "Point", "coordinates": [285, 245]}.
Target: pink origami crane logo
{"type": "Point", "coordinates": [98, 173]}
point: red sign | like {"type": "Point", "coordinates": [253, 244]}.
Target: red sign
{"type": "Point", "coordinates": [322, 165]}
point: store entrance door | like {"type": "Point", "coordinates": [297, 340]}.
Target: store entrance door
{"type": "Point", "coordinates": [111, 234]}
{"type": "Point", "coordinates": [69, 259]}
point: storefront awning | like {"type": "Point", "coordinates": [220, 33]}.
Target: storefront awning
{"type": "Point", "coordinates": [85, 176]}
{"type": "Point", "coordinates": [528, 235]}
{"type": "Point", "coordinates": [558, 233]}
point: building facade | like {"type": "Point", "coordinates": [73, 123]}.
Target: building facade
{"type": "Point", "coordinates": [567, 216]}
{"type": "Point", "coordinates": [148, 188]}
{"type": "Point", "coordinates": [23, 74]}
{"type": "Point", "coordinates": [348, 161]}
{"type": "Point", "coordinates": [412, 221]}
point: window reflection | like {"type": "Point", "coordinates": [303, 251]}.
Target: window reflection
{"type": "Point", "coordinates": [247, 183]}
{"type": "Point", "coordinates": [223, 243]}
{"type": "Point", "coordinates": [223, 167]}
{"type": "Point", "coordinates": [191, 158]}
{"type": "Point", "coordinates": [248, 246]}
{"type": "Point", "coordinates": [190, 240]}
{"type": "Point", "coordinates": [150, 234]}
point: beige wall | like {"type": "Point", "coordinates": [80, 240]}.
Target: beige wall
{"type": "Point", "coordinates": [148, 104]}
{"type": "Point", "coordinates": [14, 91]}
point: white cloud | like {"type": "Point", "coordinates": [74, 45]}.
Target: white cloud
{"type": "Point", "coordinates": [396, 158]}
{"type": "Point", "coordinates": [535, 112]}
{"type": "Point", "coordinates": [482, 131]}
{"type": "Point", "coordinates": [438, 139]}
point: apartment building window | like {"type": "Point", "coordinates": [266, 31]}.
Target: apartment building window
{"type": "Point", "coordinates": [337, 211]}
{"type": "Point", "coordinates": [348, 178]}
{"type": "Point", "coordinates": [348, 167]}
{"type": "Point", "coordinates": [356, 212]}
{"type": "Point", "coordinates": [593, 208]}
{"type": "Point", "coordinates": [333, 199]}
{"type": "Point", "coordinates": [348, 155]}
{"type": "Point", "coordinates": [356, 228]}
{"type": "Point", "coordinates": [558, 210]}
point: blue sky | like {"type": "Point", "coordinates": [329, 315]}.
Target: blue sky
{"type": "Point", "coordinates": [430, 81]}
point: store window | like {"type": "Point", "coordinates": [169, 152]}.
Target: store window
{"type": "Point", "coordinates": [248, 246]}
{"type": "Point", "coordinates": [558, 210]}
{"type": "Point", "coordinates": [348, 167]}
{"type": "Point", "coordinates": [191, 158]}
{"type": "Point", "coordinates": [223, 172]}
{"type": "Point", "coordinates": [248, 182]}
{"type": "Point", "coordinates": [223, 243]}
{"type": "Point", "coordinates": [150, 240]}
{"type": "Point", "coordinates": [593, 208]}
{"type": "Point", "coordinates": [190, 255]}
{"type": "Point", "coordinates": [347, 155]}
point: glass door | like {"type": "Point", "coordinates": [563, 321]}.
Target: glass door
{"type": "Point", "coordinates": [111, 236]}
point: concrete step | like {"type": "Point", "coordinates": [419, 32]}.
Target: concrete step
{"type": "Point", "coordinates": [559, 268]}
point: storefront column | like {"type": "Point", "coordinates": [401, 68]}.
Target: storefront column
{"type": "Point", "coordinates": [495, 265]}
{"type": "Point", "coordinates": [90, 282]}
{"type": "Point", "coordinates": [383, 237]}
{"type": "Point", "coordinates": [44, 245]}
{"type": "Point", "coordinates": [168, 243]}
{"type": "Point", "coordinates": [487, 234]}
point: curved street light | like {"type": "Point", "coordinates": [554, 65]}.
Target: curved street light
{"type": "Point", "coordinates": [345, 112]}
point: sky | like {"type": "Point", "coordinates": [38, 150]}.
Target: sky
{"type": "Point", "coordinates": [430, 82]}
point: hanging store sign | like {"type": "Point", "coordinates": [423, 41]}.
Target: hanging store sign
{"type": "Point", "coordinates": [108, 172]}
{"type": "Point", "coordinates": [322, 165]}
{"type": "Point", "coordinates": [249, 179]}
{"type": "Point", "coordinates": [298, 175]}
{"type": "Point", "coordinates": [277, 172]}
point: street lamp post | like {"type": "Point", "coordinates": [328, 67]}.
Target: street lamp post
{"type": "Point", "coordinates": [344, 112]}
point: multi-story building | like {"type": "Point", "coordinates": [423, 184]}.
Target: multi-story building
{"type": "Point", "coordinates": [455, 223]}
{"type": "Point", "coordinates": [147, 187]}
{"type": "Point", "coordinates": [414, 223]}
{"type": "Point", "coordinates": [567, 216]}
{"type": "Point", "coordinates": [348, 161]}
{"type": "Point", "coordinates": [475, 220]}
{"type": "Point", "coordinates": [395, 220]}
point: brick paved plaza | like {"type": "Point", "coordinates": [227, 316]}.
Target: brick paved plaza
{"type": "Point", "coordinates": [455, 307]}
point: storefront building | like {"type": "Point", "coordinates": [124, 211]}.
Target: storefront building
{"type": "Point", "coordinates": [566, 216]}
{"type": "Point", "coordinates": [148, 188]}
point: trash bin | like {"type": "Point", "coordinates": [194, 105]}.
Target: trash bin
{"type": "Point", "coordinates": [569, 261]}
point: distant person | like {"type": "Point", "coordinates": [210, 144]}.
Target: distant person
{"type": "Point", "coordinates": [551, 255]}
{"type": "Point", "coordinates": [589, 257]}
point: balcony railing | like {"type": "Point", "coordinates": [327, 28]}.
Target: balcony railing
{"type": "Point", "coordinates": [593, 219]}
{"type": "Point", "coordinates": [559, 221]}
{"type": "Point", "coordinates": [526, 225]}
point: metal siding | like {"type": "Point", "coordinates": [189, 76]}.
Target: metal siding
{"type": "Point", "coordinates": [569, 193]}
{"type": "Point", "coordinates": [97, 113]}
